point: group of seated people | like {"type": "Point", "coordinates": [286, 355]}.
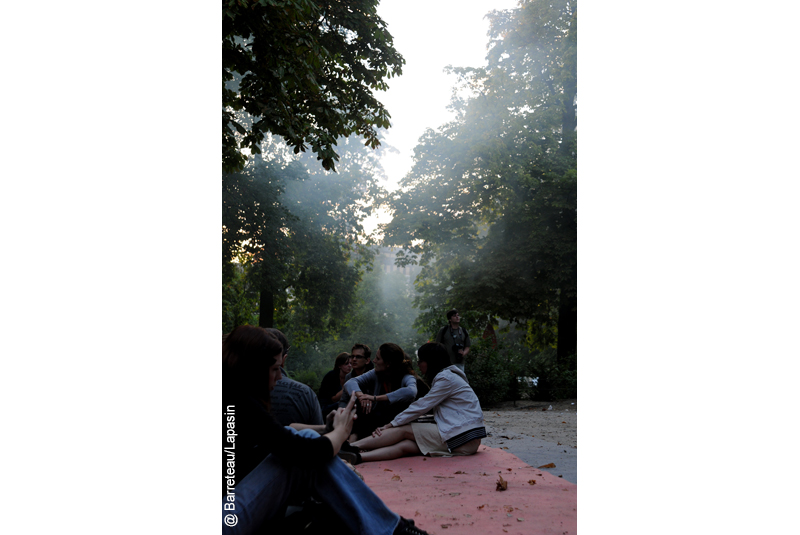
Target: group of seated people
{"type": "Point", "coordinates": [375, 409]}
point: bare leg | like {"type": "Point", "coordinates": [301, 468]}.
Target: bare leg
{"type": "Point", "coordinates": [404, 448]}
{"type": "Point", "coordinates": [388, 437]}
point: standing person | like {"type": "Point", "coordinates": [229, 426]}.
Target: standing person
{"type": "Point", "coordinates": [266, 465]}
{"type": "Point", "coordinates": [458, 427]}
{"type": "Point", "coordinates": [455, 339]}
{"type": "Point", "coordinates": [383, 392]}
{"type": "Point", "coordinates": [292, 401]}
{"type": "Point", "coordinates": [330, 390]}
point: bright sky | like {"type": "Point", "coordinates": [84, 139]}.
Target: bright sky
{"type": "Point", "coordinates": [430, 35]}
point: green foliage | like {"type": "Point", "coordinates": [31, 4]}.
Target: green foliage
{"type": "Point", "coordinates": [382, 313]}
{"type": "Point", "coordinates": [307, 377]}
{"type": "Point", "coordinates": [489, 373]}
{"type": "Point", "coordinates": [498, 374]}
{"type": "Point", "coordinates": [489, 210]}
{"type": "Point", "coordinates": [304, 70]}
{"type": "Point", "coordinates": [239, 298]}
{"type": "Point", "coordinates": [558, 378]}
{"type": "Point", "coordinates": [302, 231]}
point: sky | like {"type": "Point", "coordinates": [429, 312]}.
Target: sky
{"type": "Point", "coordinates": [430, 35]}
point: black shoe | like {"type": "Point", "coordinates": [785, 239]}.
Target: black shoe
{"type": "Point", "coordinates": [407, 527]}
{"type": "Point", "coordinates": [350, 457]}
{"type": "Point", "coordinates": [347, 447]}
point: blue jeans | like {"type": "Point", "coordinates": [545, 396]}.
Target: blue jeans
{"type": "Point", "coordinates": [266, 491]}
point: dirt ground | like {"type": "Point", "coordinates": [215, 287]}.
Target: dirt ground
{"type": "Point", "coordinates": [509, 420]}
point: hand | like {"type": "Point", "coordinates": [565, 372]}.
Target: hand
{"type": "Point", "coordinates": [343, 418]}
{"type": "Point", "coordinates": [378, 431]}
{"type": "Point", "coordinates": [366, 403]}
{"type": "Point", "coordinates": [329, 421]}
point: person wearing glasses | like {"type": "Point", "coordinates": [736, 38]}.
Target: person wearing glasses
{"type": "Point", "coordinates": [267, 466]}
{"type": "Point", "coordinates": [455, 339]}
{"type": "Point", "coordinates": [458, 425]}
{"type": "Point", "coordinates": [383, 392]}
{"type": "Point", "coordinates": [360, 363]}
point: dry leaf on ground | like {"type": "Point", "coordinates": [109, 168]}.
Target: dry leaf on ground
{"type": "Point", "coordinates": [502, 484]}
{"type": "Point", "coordinates": [548, 465]}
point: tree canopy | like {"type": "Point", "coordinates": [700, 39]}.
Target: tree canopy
{"type": "Point", "coordinates": [301, 233]}
{"type": "Point", "coordinates": [304, 70]}
{"type": "Point", "coordinates": [489, 208]}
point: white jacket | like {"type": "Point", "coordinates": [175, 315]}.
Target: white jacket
{"type": "Point", "coordinates": [455, 405]}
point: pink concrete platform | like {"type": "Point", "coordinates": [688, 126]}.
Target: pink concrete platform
{"type": "Point", "coordinates": [458, 495]}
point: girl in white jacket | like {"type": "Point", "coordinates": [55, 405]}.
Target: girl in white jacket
{"type": "Point", "coordinates": [458, 427]}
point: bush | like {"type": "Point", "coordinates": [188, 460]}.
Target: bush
{"type": "Point", "coordinates": [307, 377]}
{"type": "Point", "coordinates": [496, 374]}
{"type": "Point", "coordinates": [557, 380]}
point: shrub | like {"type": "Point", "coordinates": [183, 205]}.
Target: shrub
{"type": "Point", "coordinates": [307, 377]}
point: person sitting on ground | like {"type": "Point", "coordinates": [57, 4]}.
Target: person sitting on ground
{"type": "Point", "coordinates": [293, 401]}
{"type": "Point", "coordinates": [267, 465]}
{"type": "Point", "coordinates": [383, 392]}
{"type": "Point", "coordinates": [458, 427]}
{"type": "Point", "coordinates": [360, 362]}
{"type": "Point", "coordinates": [330, 390]}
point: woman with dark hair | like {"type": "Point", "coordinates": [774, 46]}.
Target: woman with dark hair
{"type": "Point", "coordinates": [383, 392]}
{"type": "Point", "coordinates": [458, 427]}
{"type": "Point", "coordinates": [266, 466]}
{"type": "Point", "coordinates": [330, 390]}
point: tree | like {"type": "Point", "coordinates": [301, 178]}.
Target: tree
{"type": "Point", "coordinates": [304, 70]}
{"type": "Point", "coordinates": [302, 234]}
{"type": "Point", "coordinates": [489, 208]}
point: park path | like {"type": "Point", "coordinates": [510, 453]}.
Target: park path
{"type": "Point", "coordinates": [459, 494]}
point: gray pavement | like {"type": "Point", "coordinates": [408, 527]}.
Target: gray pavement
{"type": "Point", "coordinates": [536, 452]}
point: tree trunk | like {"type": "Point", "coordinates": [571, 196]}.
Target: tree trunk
{"type": "Point", "coordinates": [266, 309]}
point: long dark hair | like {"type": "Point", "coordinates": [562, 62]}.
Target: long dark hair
{"type": "Point", "coordinates": [398, 365]}
{"type": "Point", "coordinates": [248, 352]}
{"type": "Point", "coordinates": [341, 359]}
{"type": "Point", "coordinates": [437, 358]}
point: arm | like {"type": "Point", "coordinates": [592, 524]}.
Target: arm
{"type": "Point", "coordinates": [441, 390]}
{"type": "Point", "coordinates": [407, 392]}
{"type": "Point", "coordinates": [337, 430]}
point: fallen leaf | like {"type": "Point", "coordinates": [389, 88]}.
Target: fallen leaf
{"type": "Point", "coordinates": [548, 465]}
{"type": "Point", "coordinates": [563, 422]}
{"type": "Point", "coordinates": [424, 458]}
{"type": "Point", "coordinates": [559, 443]}
{"type": "Point", "coordinates": [417, 513]}
{"type": "Point", "coordinates": [509, 469]}
{"type": "Point", "coordinates": [459, 472]}
{"type": "Point", "coordinates": [445, 526]}
{"type": "Point", "coordinates": [396, 478]}
{"type": "Point", "coordinates": [503, 436]}
{"type": "Point", "coordinates": [508, 508]}
{"type": "Point", "coordinates": [481, 506]}
{"type": "Point", "coordinates": [501, 484]}
{"type": "Point", "coordinates": [531, 482]}
{"type": "Point", "coordinates": [520, 520]}
{"type": "Point", "coordinates": [387, 470]}
{"type": "Point", "coordinates": [455, 494]}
